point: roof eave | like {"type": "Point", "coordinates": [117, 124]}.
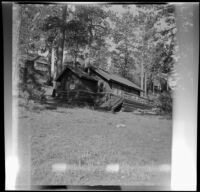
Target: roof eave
{"type": "Point", "coordinates": [95, 70]}
{"type": "Point", "coordinates": [80, 76]}
{"type": "Point", "coordinates": [126, 85]}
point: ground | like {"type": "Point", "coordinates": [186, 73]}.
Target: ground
{"type": "Point", "coordinates": [82, 146]}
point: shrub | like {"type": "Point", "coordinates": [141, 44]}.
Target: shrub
{"type": "Point", "coordinates": [165, 100]}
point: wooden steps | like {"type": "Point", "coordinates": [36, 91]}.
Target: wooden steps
{"type": "Point", "coordinates": [117, 105]}
{"type": "Point", "coordinates": [130, 105]}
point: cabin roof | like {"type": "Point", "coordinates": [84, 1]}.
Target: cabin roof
{"type": "Point", "coordinates": [77, 71]}
{"type": "Point", "coordinates": [116, 78]}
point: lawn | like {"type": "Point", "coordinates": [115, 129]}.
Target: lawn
{"type": "Point", "coordinates": [81, 146]}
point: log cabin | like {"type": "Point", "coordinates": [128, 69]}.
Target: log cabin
{"type": "Point", "coordinates": [114, 83]}
{"type": "Point", "coordinates": [75, 86]}
{"type": "Point", "coordinates": [89, 85]}
{"type": "Point", "coordinates": [123, 93]}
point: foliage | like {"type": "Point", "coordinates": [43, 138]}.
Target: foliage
{"type": "Point", "coordinates": [93, 18]}
{"type": "Point", "coordinates": [84, 32]}
{"type": "Point", "coordinates": [121, 43]}
{"type": "Point", "coordinates": [157, 23]}
{"type": "Point", "coordinates": [165, 100]}
{"type": "Point", "coordinates": [123, 37]}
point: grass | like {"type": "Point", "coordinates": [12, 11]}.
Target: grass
{"type": "Point", "coordinates": [82, 142]}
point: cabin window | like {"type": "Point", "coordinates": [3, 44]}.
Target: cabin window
{"type": "Point", "coordinates": [72, 83]}
{"type": "Point", "coordinates": [72, 86]}
{"type": "Point", "coordinates": [119, 92]}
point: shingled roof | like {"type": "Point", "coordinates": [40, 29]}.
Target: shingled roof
{"type": "Point", "coordinates": [116, 78]}
{"type": "Point", "coordinates": [77, 71]}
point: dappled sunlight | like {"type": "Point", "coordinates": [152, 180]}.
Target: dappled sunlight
{"type": "Point", "coordinates": [114, 174]}
{"type": "Point", "coordinates": [111, 168]}
{"type": "Point", "coordinates": [59, 167]}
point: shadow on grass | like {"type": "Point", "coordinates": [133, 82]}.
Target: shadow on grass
{"type": "Point", "coordinates": [53, 104]}
{"type": "Point", "coordinates": [161, 116]}
{"type": "Point", "coordinates": [166, 116]}
{"type": "Point", "coordinates": [73, 105]}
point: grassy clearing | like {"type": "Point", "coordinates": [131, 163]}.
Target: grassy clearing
{"type": "Point", "coordinates": [83, 142]}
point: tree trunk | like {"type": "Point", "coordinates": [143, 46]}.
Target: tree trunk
{"type": "Point", "coordinates": [145, 84]}
{"type": "Point", "coordinates": [167, 86]}
{"type": "Point", "coordinates": [124, 67]}
{"type": "Point", "coordinates": [75, 58]}
{"type": "Point", "coordinates": [52, 61]}
{"type": "Point", "coordinates": [142, 75]}
{"type": "Point", "coordinates": [90, 40]}
{"type": "Point", "coordinates": [142, 69]}
{"type": "Point", "coordinates": [76, 55]}
{"type": "Point", "coordinates": [61, 43]}
{"type": "Point", "coordinates": [87, 56]}
{"type": "Point", "coordinates": [125, 61]}
{"type": "Point", "coordinates": [153, 88]}
{"type": "Point", "coordinates": [49, 68]}
{"type": "Point", "coordinates": [55, 72]}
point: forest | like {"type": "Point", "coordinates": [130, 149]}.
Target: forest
{"type": "Point", "coordinates": [137, 42]}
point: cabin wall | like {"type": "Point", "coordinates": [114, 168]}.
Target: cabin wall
{"type": "Point", "coordinates": [114, 87]}
{"type": "Point", "coordinates": [106, 85]}
{"type": "Point", "coordinates": [77, 90]}
{"type": "Point", "coordinates": [71, 82]}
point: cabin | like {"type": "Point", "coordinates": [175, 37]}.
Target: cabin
{"type": "Point", "coordinates": [114, 83]}
{"type": "Point", "coordinates": [97, 87]}
{"type": "Point", "coordinates": [34, 68]}
{"type": "Point", "coordinates": [75, 85]}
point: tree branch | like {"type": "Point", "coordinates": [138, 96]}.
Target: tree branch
{"type": "Point", "coordinates": [166, 30]}
{"type": "Point", "coordinates": [99, 26]}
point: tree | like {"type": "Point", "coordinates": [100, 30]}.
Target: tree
{"type": "Point", "coordinates": [85, 31]}
{"type": "Point", "coordinates": [96, 27]}
{"type": "Point", "coordinates": [33, 37]}
{"type": "Point", "coordinates": [157, 45]}
{"type": "Point", "coordinates": [143, 43]}
{"type": "Point", "coordinates": [56, 26]}
{"type": "Point", "coordinates": [123, 38]}
{"type": "Point", "coordinates": [76, 37]}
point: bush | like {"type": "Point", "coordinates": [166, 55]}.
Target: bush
{"type": "Point", "coordinates": [165, 100]}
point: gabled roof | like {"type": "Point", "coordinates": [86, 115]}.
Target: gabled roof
{"type": "Point", "coordinates": [115, 78]}
{"type": "Point", "coordinates": [77, 71]}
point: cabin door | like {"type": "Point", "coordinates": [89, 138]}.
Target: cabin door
{"type": "Point", "coordinates": [70, 84]}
